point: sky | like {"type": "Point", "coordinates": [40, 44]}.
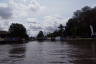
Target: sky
{"type": "Point", "coordinates": [37, 15]}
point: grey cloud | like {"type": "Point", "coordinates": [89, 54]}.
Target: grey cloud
{"type": "Point", "coordinates": [34, 9]}
{"type": "Point", "coordinates": [35, 28]}
{"type": "Point", "coordinates": [5, 12]}
{"type": "Point", "coordinates": [35, 6]}
{"type": "Point", "coordinates": [50, 29]}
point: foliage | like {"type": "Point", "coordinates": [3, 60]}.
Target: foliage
{"type": "Point", "coordinates": [79, 24]}
{"type": "Point", "coordinates": [17, 30]}
{"type": "Point", "coordinates": [40, 35]}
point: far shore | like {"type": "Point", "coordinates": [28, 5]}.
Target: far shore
{"type": "Point", "coordinates": [73, 40]}
{"type": "Point", "coordinates": [79, 38]}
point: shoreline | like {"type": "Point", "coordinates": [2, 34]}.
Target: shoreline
{"type": "Point", "coordinates": [69, 39]}
{"type": "Point", "coordinates": [74, 40]}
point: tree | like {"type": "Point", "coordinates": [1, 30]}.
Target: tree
{"type": "Point", "coordinates": [61, 30]}
{"type": "Point", "coordinates": [79, 24]}
{"type": "Point", "coordinates": [17, 30]}
{"type": "Point", "coordinates": [40, 36]}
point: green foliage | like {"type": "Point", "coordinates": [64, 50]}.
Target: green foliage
{"type": "Point", "coordinates": [40, 35]}
{"type": "Point", "coordinates": [79, 24]}
{"type": "Point", "coordinates": [17, 30]}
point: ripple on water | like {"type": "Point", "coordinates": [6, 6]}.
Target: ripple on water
{"type": "Point", "coordinates": [48, 53]}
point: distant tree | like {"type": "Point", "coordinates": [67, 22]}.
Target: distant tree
{"type": "Point", "coordinates": [17, 30]}
{"type": "Point", "coordinates": [61, 27]}
{"type": "Point", "coordinates": [49, 34]}
{"type": "Point", "coordinates": [57, 33]}
{"type": "Point", "coordinates": [61, 30]}
{"type": "Point", "coordinates": [40, 36]}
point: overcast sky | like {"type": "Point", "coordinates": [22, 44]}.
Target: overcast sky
{"type": "Point", "coordinates": [38, 15]}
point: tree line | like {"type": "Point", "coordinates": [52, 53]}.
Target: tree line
{"type": "Point", "coordinates": [16, 32]}
{"type": "Point", "coordinates": [78, 25]}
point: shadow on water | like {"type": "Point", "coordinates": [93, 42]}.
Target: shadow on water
{"type": "Point", "coordinates": [81, 52]}
{"type": "Point", "coordinates": [17, 51]}
{"type": "Point", "coordinates": [86, 53]}
{"type": "Point", "coordinates": [13, 53]}
{"type": "Point", "coordinates": [13, 42]}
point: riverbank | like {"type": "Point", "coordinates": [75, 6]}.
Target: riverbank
{"type": "Point", "coordinates": [74, 40]}
{"type": "Point", "coordinates": [80, 39]}
{"type": "Point", "coordinates": [12, 41]}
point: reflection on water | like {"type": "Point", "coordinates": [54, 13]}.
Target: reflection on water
{"type": "Point", "coordinates": [12, 54]}
{"type": "Point", "coordinates": [17, 51]}
{"type": "Point", "coordinates": [48, 53]}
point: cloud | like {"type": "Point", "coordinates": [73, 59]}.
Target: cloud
{"type": "Point", "coordinates": [36, 28]}
{"type": "Point", "coordinates": [48, 24]}
{"type": "Point", "coordinates": [5, 12]}
{"type": "Point", "coordinates": [31, 14]}
{"type": "Point", "coordinates": [35, 6]}
{"type": "Point", "coordinates": [25, 8]}
{"type": "Point", "coordinates": [51, 23]}
{"type": "Point", "coordinates": [31, 20]}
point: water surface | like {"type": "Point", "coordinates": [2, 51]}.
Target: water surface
{"type": "Point", "coordinates": [48, 53]}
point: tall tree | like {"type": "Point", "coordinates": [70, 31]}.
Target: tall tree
{"type": "Point", "coordinates": [17, 30]}
{"type": "Point", "coordinates": [79, 24]}
{"type": "Point", "coordinates": [61, 30]}
{"type": "Point", "coordinates": [40, 35]}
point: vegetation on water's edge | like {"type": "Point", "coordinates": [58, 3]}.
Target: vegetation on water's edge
{"type": "Point", "coordinates": [81, 39]}
{"type": "Point", "coordinates": [82, 26]}
{"type": "Point", "coordinates": [17, 33]}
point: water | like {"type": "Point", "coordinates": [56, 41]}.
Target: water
{"type": "Point", "coordinates": [48, 53]}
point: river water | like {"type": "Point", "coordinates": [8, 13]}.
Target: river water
{"type": "Point", "coordinates": [48, 53]}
